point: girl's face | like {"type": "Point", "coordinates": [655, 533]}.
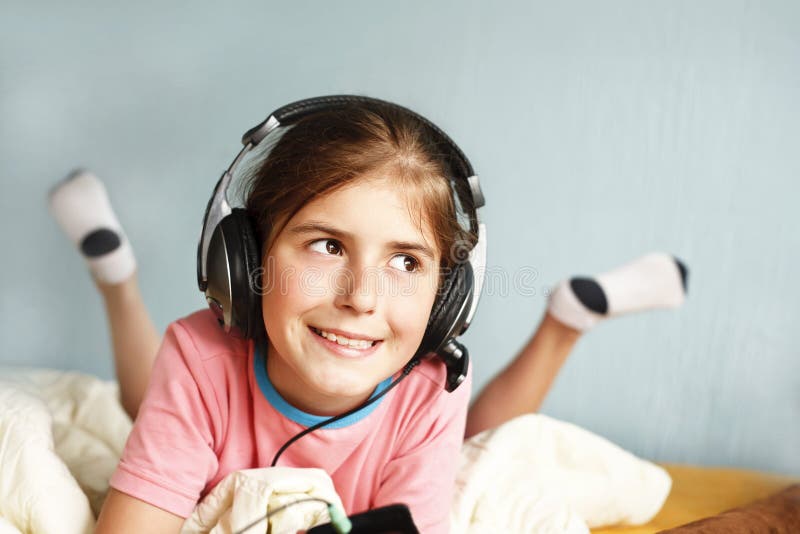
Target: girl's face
{"type": "Point", "coordinates": [354, 264]}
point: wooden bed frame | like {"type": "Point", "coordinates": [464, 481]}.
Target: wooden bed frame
{"type": "Point", "coordinates": [700, 492]}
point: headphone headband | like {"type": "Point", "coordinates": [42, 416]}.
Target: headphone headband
{"type": "Point", "coordinates": [469, 191]}
{"type": "Point", "coordinates": [291, 113]}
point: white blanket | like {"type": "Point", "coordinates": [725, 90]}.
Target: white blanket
{"type": "Point", "coordinates": [61, 435]}
{"type": "Point", "coordinates": [243, 496]}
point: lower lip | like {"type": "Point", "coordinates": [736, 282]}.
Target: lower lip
{"type": "Point", "coordinates": [341, 350]}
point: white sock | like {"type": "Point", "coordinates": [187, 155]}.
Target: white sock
{"type": "Point", "coordinates": [80, 205]}
{"type": "Point", "coordinates": [657, 280]}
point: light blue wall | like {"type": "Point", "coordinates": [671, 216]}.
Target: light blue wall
{"type": "Point", "coordinates": [601, 130]}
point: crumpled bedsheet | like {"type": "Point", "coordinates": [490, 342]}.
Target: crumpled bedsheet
{"type": "Point", "coordinates": [62, 433]}
{"type": "Point", "coordinates": [537, 474]}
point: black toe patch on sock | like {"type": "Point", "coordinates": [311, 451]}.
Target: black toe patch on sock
{"type": "Point", "coordinates": [684, 274]}
{"type": "Point", "coordinates": [590, 294]}
{"type": "Point", "coordinates": [74, 173]}
{"type": "Point", "coordinates": [100, 242]}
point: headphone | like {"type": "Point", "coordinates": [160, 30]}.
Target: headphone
{"type": "Point", "coordinates": [229, 259]}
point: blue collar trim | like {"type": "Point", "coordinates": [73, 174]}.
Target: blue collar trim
{"type": "Point", "coordinates": [299, 416]}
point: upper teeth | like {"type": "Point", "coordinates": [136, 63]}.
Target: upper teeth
{"type": "Point", "coordinates": [341, 340]}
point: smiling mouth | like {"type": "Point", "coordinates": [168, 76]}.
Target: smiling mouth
{"type": "Point", "coordinates": [343, 341]}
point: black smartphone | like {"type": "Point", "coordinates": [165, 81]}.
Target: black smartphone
{"type": "Point", "coordinates": [392, 519]}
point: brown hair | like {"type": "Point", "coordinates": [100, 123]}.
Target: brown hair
{"type": "Point", "coordinates": [333, 148]}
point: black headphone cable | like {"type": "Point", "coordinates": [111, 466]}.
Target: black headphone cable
{"type": "Point", "coordinates": [339, 521]}
{"type": "Point", "coordinates": [407, 369]}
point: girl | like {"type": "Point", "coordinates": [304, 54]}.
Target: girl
{"type": "Point", "coordinates": [356, 219]}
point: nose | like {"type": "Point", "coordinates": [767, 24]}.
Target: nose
{"type": "Point", "coordinates": [356, 288]}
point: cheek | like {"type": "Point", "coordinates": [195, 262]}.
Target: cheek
{"type": "Point", "coordinates": [410, 313]}
{"type": "Point", "coordinates": [287, 291]}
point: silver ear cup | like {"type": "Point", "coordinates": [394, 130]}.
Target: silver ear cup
{"type": "Point", "coordinates": [218, 290]}
{"type": "Point", "coordinates": [233, 261]}
{"type": "Point", "coordinates": [216, 210]}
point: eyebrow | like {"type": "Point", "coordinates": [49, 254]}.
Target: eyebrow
{"type": "Point", "coordinates": [313, 226]}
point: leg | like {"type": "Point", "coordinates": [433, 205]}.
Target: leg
{"type": "Point", "coordinates": [653, 281]}
{"type": "Point", "coordinates": [81, 207]}
{"type": "Point", "coordinates": [521, 387]}
{"type": "Point", "coordinates": [134, 337]}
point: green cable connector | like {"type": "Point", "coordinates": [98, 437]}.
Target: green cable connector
{"type": "Point", "coordinates": [341, 523]}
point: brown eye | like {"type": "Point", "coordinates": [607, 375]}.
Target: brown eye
{"type": "Point", "coordinates": [330, 246]}
{"type": "Point", "coordinates": [409, 264]}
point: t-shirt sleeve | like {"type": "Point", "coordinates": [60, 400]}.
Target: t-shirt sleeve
{"type": "Point", "coordinates": [170, 454]}
{"type": "Point", "coordinates": [422, 476]}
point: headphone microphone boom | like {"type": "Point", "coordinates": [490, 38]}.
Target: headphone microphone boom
{"type": "Point", "coordinates": [229, 259]}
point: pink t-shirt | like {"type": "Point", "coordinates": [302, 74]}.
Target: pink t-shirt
{"type": "Point", "coordinates": [211, 410]}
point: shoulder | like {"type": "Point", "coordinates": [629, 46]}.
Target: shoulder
{"type": "Point", "coordinates": [173, 449]}
{"type": "Point", "coordinates": [199, 371]}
